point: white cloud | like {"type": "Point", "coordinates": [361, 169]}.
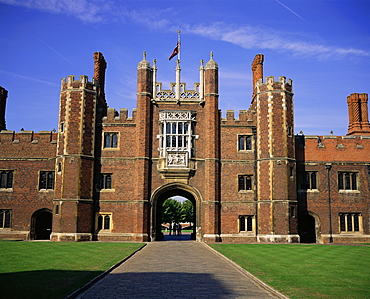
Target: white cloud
{"type": "Point", "coordinates": [87, 11]}
{"type": "Point", "coordinates": [28, 78]}
{"type": "Point", "coordinates": [247, 37]}
{"type": "Point", "coordinates": [252, 37]}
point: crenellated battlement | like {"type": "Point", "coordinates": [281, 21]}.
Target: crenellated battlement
{"type": "Point", "coordinates": [332, 148]}
{"type": "Point", "coordinates": [245, 118]}
{"type": "Point", "coordinates": [70, 83]}
{"type": "Point", "coordinates": [28, 145]}
{"type": "Point", "coordinates": [271, 84]}
{"type": "Point", "coordinates": [122, 117]}
{"type": "Point", "coordinates": [41, 137]}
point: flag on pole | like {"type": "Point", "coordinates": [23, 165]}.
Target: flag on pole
{"type": "Point", "coordinates": [175, 51]}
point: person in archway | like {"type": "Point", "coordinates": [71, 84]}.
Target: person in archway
{"type": "Point", "coordinates": [170, 228]}
{"type": "Point", "coordinates": [174, 228]}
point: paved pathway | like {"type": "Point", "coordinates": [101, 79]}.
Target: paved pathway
{"type": "Point", "coordinates": [177, 269]}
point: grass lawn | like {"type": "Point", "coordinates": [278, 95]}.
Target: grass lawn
{"type": "Point", "coordinates": [53, 269]}
{"type": "Point", "coordinates": [306, 271]}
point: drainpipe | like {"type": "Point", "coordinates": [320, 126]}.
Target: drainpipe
{"type": "Point", "coordinates": [328, 168]}
{"type": "Point", "coordinates": [255, 187]}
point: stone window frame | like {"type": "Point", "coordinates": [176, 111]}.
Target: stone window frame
{"type": "Point", "coordinates": [348, 181]}
{"type": "Point", "coordinates": [290, 131]}
{"type": "Point", "coordinates": [247, 183]}
{"type": "Point", "coordinates": [56, 209]}
{"type": "Point", "coordinates": [350, 223]}
{"type": "Point", "coordinates": [5, 218]}
{"type": "Point", "coordinates": [48, 182]}
{"type": "Point", "coordinates": [113, 142]}
{"type": "Point", "coordinates": [6, 179]}
{"type": "Point", "coordinates": [104, 221]}
{"type": "Point", "coordinates": [293, 211]}
{"type": "Point", "coordinates": [309, 179]}
{"type": "Point", "coordinates": [243, 140]}
{"type": "Point", "coordinates": [246, 223]}
{"type": "Point", "coordinates": [105, 180]}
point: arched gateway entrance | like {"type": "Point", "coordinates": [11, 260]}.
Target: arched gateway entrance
{"type": "Point", "coordinates": [41, 224]}
{"type": "Point", "coordinates": [168, 191]}
{"type": "Point", "coordinates": [309, 228]}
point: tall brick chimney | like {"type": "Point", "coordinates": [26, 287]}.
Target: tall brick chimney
{"type": "Point", "coordinates": [257, 72]}
{"type": "Point", "coordinates": [100, 66]}
{"type": "Point", "coordinates": [3, 97]}
{"type": "Point", "coordinates": [358, 114]}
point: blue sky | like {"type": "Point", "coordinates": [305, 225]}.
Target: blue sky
{"type": "Point", "coordinates": [323, 46]}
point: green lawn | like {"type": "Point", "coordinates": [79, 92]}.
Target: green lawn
{"type": "Point", "coordinates": [53, 269]}
{"type": "Point", "coordinates": [306, 271]}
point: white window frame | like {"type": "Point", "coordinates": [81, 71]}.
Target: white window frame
{"type": "Point", "coordinates": [176, 139]}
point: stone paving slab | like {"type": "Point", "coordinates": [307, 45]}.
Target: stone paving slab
{"type": "Point", "coordinates": [177, 269]}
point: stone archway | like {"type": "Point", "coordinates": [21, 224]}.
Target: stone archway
{"type": "Point", "coordinates": [309, 228]}
{"type": "Point", "coordinates": [168, 191]}
{"type": "Point", "coordinates": [41, 224]}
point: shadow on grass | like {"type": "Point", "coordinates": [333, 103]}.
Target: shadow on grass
{"type": "Point", "coordinates": [44, 283]}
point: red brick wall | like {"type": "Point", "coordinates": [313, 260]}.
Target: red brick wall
{"type": "Point", "coordinates": [343, 153]}
{"type": "Point", "coordinates": [26, 153]}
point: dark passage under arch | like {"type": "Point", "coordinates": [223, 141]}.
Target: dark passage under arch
{"type": "Point", "coordinates": [307, 230]}
{"type": "Point", "coordinates": [41, 224]}
{"type": "Point", "coordinates": [157, 217]}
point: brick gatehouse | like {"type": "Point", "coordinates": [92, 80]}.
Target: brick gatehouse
{"type": "Point", "coordinates": [104, 175]}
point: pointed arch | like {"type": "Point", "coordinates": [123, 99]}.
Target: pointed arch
{"type": "Point", "coordinates": [309, 227]}
{"type": "Point", "coordinates": [170, 190]}
{"type": "Point", "coordinates": [41, 224]}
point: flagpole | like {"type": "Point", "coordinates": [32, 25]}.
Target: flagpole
{"type": "Point", "coordinates": [179, 42]}
{"type": "Point", "coordinates": [178, 69]}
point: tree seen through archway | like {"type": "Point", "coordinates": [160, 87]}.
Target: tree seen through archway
{"type": "Point", "coordinates": [177, 211]}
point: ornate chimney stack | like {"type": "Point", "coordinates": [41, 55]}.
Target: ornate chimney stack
{"type": "Point", "coordinates": [99, 73]}
{"type": "Point", "coordinates": [257, 72]}
{"type": "Point", "coordinates": [358, 114]}
{"type": "Point", "coordinates": [3, 97]}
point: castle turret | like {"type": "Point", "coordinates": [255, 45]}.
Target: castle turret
{"type": "Point", "coordinates": [358, 114]}
{"type": "Point", "coordinates": [75, 160]}
{"type": "Point", "coordinates": [3, 97]}
{"type": "Point", "coordinates": [277, 202]}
